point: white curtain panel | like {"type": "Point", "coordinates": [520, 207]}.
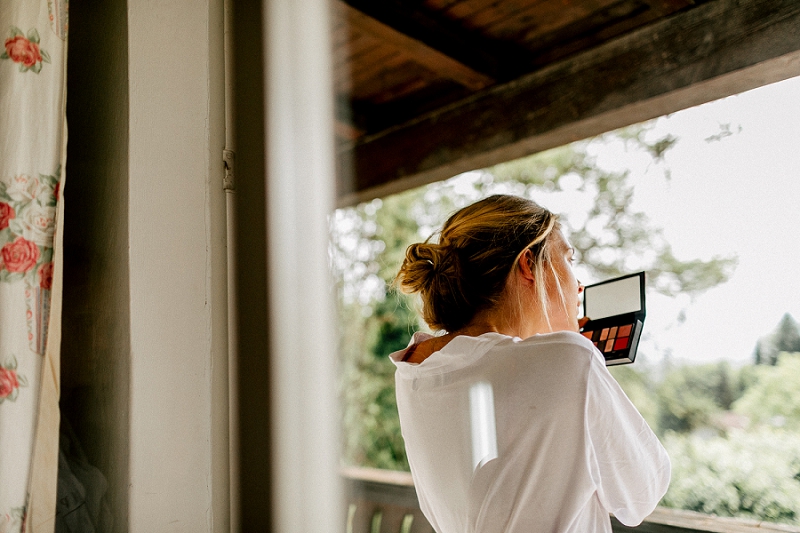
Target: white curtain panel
{"type": "Point", "coordinates": [32, 153]}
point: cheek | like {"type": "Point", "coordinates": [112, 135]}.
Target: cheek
{"type": "Point", "coordinates": [571, 289]}
{"type": "Point", "coordinates": [569, 286]}
{"type": "Point", "coordinates": [568, 280]}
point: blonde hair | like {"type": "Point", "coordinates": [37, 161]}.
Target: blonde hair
{"type": "Point", "coordinates": [467, 270]}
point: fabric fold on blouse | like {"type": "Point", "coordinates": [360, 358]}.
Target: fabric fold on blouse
{"type": "Point", "coordinates": [512, 435]}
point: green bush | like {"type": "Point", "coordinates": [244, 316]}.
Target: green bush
{"type": "Point", "coordinates": [690, 396]}
{"type": "Point", "coordinates": [774, 396]}
{"type": "Point", "coordinates": [752, 475]}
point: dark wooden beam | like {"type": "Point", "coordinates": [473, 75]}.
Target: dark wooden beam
{"type": "Point", "coordinates": [494, 59]}
{"type": "Point", "coordinates": [602, 25]}
{"type": "Point", "coordinates": [442, 64]}
{"type": "Point", "coordinates": [378, 117]}
{"type": "Point", "coordinates": [714, 50]}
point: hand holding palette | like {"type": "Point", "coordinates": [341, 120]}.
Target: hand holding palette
{"type": "Point", "coordinates": [616, 311]}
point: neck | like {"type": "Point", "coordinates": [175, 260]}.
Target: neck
{"type": "Point", "coordinates": [474, 329]}
{"type": "Point", "coordinates": [495, 321]}
{"type": "Point", "coordinates": [514, 321]}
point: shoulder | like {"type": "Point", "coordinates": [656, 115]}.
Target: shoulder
{"type": "Point", "coordinates": [566, 341]}
{"type": "Point", "coordinates": [564, 346]}
{"type": "Point", "coordinates": [566, 350]}
{"type": "Point", "coordinates": [417, 339]}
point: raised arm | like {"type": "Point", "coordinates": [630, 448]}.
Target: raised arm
{"type": "Point", "coordinates": [629, 465]}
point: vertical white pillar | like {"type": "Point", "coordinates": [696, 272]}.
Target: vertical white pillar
{"type": "Point", "coordinates": [178, 293]}
{"type": "Point", "coordinates": [300, 195]}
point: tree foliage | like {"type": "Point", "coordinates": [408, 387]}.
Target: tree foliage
{"type": "Point", "coordinates": [689, 397]}
{"type": "Point", "coordinates": [785, 338]}
{"type": "Point", "coordinates": [773, 397]}
{"type": "Point", "coordinates": [748, 475]}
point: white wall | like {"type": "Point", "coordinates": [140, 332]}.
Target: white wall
{"type": "Point", "coordinates": [178, 379]}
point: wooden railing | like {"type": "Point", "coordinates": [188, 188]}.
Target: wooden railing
{"type": "Point", "coordinates": [383, 501]}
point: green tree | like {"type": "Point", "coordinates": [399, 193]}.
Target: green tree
{"type": "Point", "coordinates": [774, 397]}
{"type": "Point", "coordinates": [690, 396]}
{"type": "Point", "coordinates": [784, 338]}
{"type": "Point", "coordinates": [370, 424]}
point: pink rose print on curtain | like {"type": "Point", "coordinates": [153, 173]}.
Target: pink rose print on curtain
{"type": "Point", "coordinates": [10, 381]}
{"type": "Point", "coordinates": [6, 214]}
{"type": "Point", "coordinates": [25, 50]}
{"type": "Point", "coordinates": [27, 226]}
{"type": "Point", "coordinates": [20, 255]}
{"type": "Point", "coordinates": [46, 276]}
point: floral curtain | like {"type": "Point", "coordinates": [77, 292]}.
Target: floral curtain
{"type": "Point", "coordinates": [32, 153]}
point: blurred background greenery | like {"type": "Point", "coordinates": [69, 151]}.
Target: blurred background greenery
{"type": "Point", "coordinates": [733, 433]}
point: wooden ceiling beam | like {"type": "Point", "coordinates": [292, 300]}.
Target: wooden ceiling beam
{"type": "Point", "coordinates": [700, 54]}
{"type": "Point", "coordinates": [433, 59]}
{"type": "Point", "coordinates": [604, 24]}
{"type": "Point", "coordinates": [491, 58]}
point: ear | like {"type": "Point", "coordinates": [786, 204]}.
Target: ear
{"type": "Point", "coordinates": [525, 266]}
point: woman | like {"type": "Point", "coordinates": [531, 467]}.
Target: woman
{"type": "Point", "coordinates": [511, 420]}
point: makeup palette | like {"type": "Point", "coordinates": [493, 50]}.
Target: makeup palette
{"type": "Point", "coordinates": [616, 311]}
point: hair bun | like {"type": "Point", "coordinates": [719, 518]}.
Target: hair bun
{"type": "Point", "coordinates": [420, 266]}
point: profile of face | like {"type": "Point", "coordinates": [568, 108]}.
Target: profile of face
{"type": "Point", "coordinates": [563, 297]}
{"type": "Point", "coordinates": [563, 314]}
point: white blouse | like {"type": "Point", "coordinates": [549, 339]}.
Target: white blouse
{"type": "Point", "coordinates": [533, 435]}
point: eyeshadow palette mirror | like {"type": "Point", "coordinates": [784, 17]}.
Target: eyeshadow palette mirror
{"type": "Point", "coordinates": [616, 311]}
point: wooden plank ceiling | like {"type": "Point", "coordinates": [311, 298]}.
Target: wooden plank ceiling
{"type": "Point", "coordinates": [396, 59]}
{"type": "Point", "coordinates": [400, 63]}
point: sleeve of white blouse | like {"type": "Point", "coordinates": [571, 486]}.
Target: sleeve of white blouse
{"type": "Point", "coordinates": [629, 465]}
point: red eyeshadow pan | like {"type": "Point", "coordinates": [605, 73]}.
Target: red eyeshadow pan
{"type": "Point", "coordinates": [621, 343]}
{"type": "Point", "coordinates": [625, 331]}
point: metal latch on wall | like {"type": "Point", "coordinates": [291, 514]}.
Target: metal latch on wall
{"type": "Point", "coordinates": [228, 182]}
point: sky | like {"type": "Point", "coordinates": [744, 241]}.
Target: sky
{"type": "Point", "coordinates": [725, 194]}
